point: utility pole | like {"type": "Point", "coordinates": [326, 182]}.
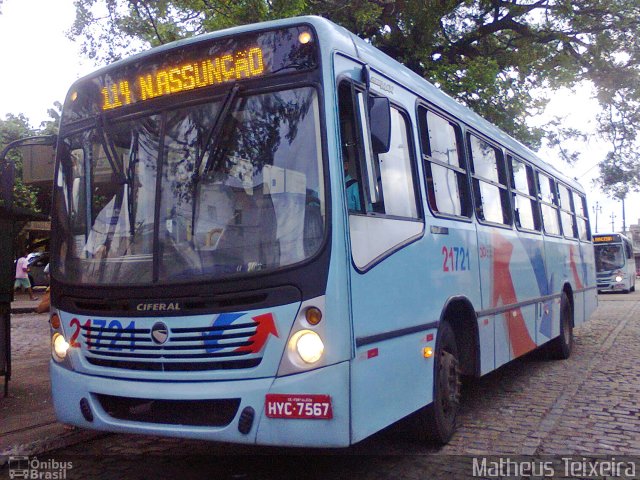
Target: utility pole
{"type": "Point", "coordinates": [624, 223]}
{"type": "Point", "coordinates": [612, 219]}
{"type": "Point", "coordinates": [597, 209]}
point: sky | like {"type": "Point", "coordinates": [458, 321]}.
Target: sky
{"type": "Point", "coordinates": [44, 64]}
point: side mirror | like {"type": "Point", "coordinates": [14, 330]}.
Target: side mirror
{"type": "Point", "coordinates": [380, 123]}
{"type": "Point", "coordinates": [7, 168]}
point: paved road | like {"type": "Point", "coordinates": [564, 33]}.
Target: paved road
{"type": "Point", "coordinates": [588, 405]}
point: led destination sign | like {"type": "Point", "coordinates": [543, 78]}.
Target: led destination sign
{"type": "Point", "coordinates": [606, 238]}
{"type": "Point", "coordinates": [192, 66]}
{"type": "Point", "coordinates": [203, 73]}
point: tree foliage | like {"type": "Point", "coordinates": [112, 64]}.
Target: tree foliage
{"type": "Point", "coordinates": [619, 124]}
{"type": "Point", "coordinates": [499, 57]}
{"type": "Point", "coordinates": [13, 128]}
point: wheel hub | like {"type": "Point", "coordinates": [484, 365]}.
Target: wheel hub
{"type": "Point", "coordinates": [449, 381]}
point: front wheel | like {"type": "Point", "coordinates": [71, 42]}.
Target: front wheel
{"type": "Point", "coordinates": [437, 422]}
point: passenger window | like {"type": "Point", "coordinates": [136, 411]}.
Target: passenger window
{"type": "Point", "coordinates": [525, 204]}
{"type": "Point", "coordinates": [548, 204]}
{"type": "Point", "coordinates": [582, 218]}
{"type": "Point", "coordinates": [519, 173]}
{"type": "Point", "coordinates": [446, 174]}
{"type": "Point", "coordinates": [484, 158]}
{"type": "Point", "coordinates": [567, 214]}
{"type": "Point", "coordinates": [396, 171]}
{"type": "Point", "coordinates": [489, 182]}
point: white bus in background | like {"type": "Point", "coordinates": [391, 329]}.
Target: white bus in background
{"type": "Point", "coordinates": [615, 264]}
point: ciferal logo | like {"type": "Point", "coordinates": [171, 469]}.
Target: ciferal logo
{"type": "Point", "coordinates": [160, 333]}
{"type": "Point", "coordinates": [158, 307]}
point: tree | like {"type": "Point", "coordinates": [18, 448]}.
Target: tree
{"type": "Point", "coordinates": [492, 55]}
{"type": "Point", "coordinates": [13, 128]}
{"type": "Point", "coordinates": [619, 124]}
{"type": "Point", "coordinates": [51, 126]}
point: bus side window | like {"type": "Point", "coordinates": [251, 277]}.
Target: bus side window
{"type": "Point", "coordinates": [525, 203]}
{"type": "Point", "coordinates": [489, 182]}
{"type": "Point", "coordinates": [567, 214]}
{"type": "Point", "coordinates": [396, 171]}
{"type": "Point", "coordinates": [582, 218]}
{"type": "Point", "coordinates": [548, 204]}
{"type": "Point", "coordinates": [446, 175]}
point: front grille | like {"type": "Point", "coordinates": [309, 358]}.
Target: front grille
{"type": "Point", "coordinates": [175, 366]}
{"type": "Point", "coordinates": [213, 347]}
{"type": "Point", "coordinates": [211, 413]}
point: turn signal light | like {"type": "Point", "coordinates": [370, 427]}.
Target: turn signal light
{"type": "Point", "coordinates": [55, 321]}
{"type": "Point", "coordinates": [313, 315]}
{"type": "Point", "coordinates": [427, 352]}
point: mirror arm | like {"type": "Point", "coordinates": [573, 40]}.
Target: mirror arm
{"type": "Point", "coordinates": [45, 140]}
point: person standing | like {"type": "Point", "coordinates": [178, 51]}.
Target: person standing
{"type": "Point", "coordinates": [22, 277]}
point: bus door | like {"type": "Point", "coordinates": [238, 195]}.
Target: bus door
{"type": "Point", "coordinates": [556, 252]}
{"type": "Point", "coordinates": [389, 375]}
{"type": "Point", "coordinates": [510, 261]}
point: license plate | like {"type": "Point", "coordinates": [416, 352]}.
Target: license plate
{"type": "Point", "coordinates": [316, 407]}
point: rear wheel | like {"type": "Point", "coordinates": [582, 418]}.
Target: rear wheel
{"type": "Point", "coordinates": [560, 348]}
{"type": "Point", "coordinates": [437, 422]}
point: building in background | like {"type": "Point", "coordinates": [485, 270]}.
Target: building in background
{"type": "Point", "coordinates": [634, 233]}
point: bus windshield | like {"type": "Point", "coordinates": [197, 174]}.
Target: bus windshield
{"type": "Point", "coordinates": [157, 198]}
{"type": "Point", "coordinates": [608, 257]}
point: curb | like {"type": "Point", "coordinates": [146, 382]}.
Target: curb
{"type": "Point", "coordinates": [22, 310]}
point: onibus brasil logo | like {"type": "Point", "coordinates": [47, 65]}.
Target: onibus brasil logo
{"type": "Point", "coordinates": [33, 468]}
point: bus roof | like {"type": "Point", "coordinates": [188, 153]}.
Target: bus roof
{"type": "Point", "coordinates": [346, 41]}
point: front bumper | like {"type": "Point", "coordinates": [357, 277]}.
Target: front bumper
{"type": "Point", "coordinates": [69, 388]}
{"type": "Point", "coordinates": [611, 286]}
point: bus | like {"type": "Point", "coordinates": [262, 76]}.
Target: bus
{"type": "Point", "coordinates": [275, 234]}
{"type": "Point", "coordinates": [615, 263]}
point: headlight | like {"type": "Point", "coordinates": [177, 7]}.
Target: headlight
{"type": "Point", "coordinates": [308, 345]}
{"type": "Point", "coordinates": [59, 347]}
{"type": "Point", "coordinates": [618, 278]}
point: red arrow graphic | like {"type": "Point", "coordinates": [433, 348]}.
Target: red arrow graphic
{"type": "Point", "coordinates": [503, 290]}
{"type": "Point", "coordinates": [266, 327]}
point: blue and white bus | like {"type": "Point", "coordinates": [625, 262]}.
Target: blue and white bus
{"type": "Point", "coordinates": [276, 234]}
{"type": "Point", "coordinates": [615, 263]}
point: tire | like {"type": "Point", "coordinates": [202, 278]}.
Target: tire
{"type": "Point", "coordinates": [436, 422]}
{"type": "Point", "coordinates": [560, 347]}
{"type": "Point", "coordinates": [31, 280]}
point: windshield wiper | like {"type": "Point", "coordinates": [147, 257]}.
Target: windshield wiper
{"type": "Point", "coordinates": [213, 137]}
{"type": "Point", "coordinates": [131, 169]}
